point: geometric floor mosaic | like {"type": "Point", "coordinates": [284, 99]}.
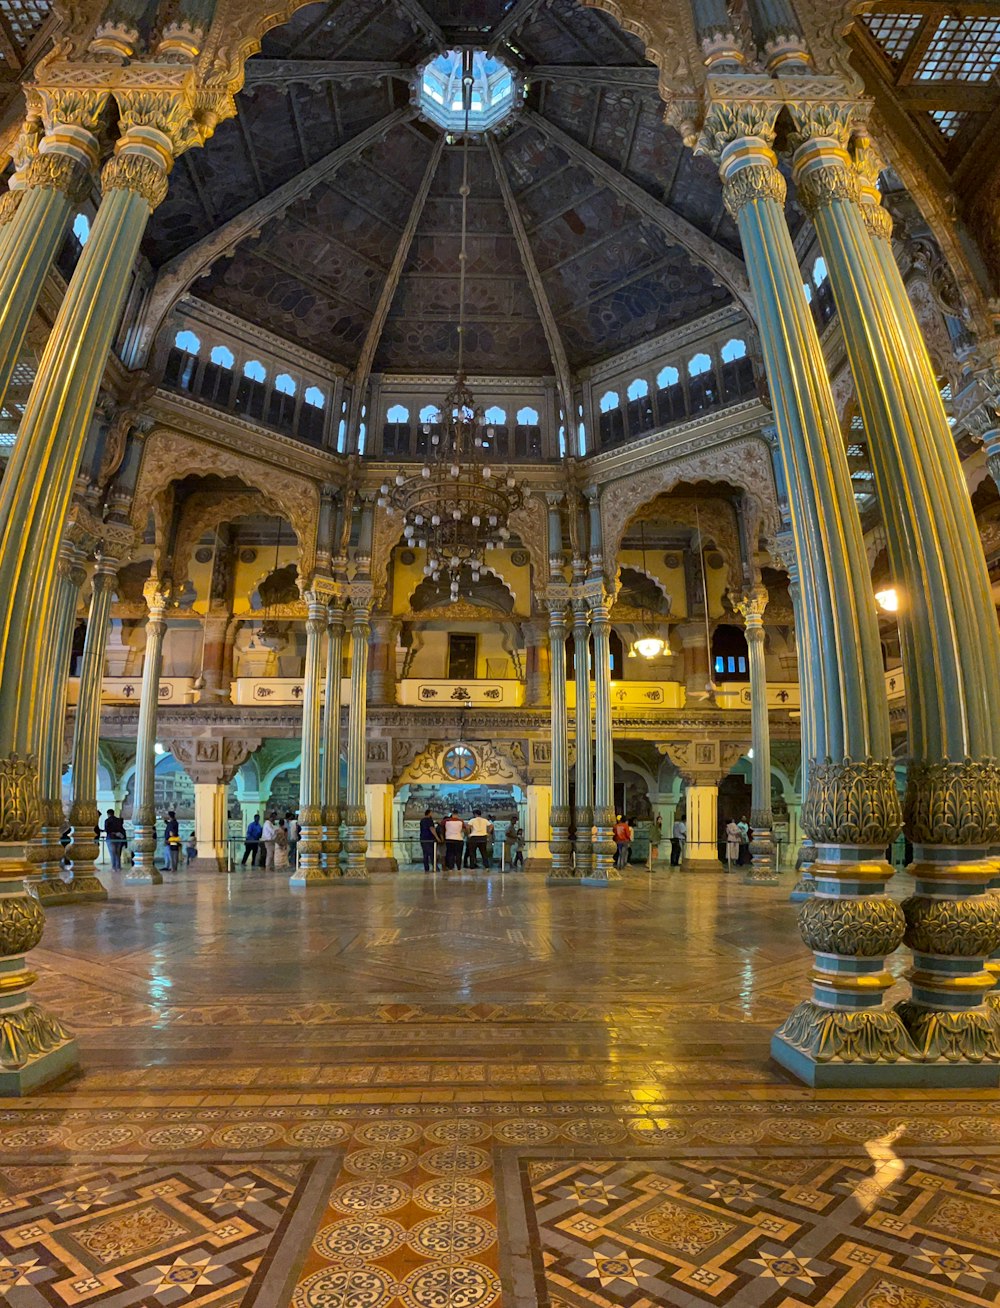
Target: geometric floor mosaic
{"type": "Point", "coordinates": [630, 1233]}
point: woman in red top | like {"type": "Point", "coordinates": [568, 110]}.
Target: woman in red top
{"type": "Point", "coordinates": [622, 835]}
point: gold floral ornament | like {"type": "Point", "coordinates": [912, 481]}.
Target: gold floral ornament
{"type": "Point", "coordinates": [26, 1033]}
{"type": "Point", "coordinates": [21, 925]}
{"type": "Point", "coordinates": [953, 803]}
{"type": "Point", "coordinates": [857, 928]}
{"type": "Point", "coordinates": [852, 803]}
{"type": "Point", "coordinates": [873, 1035]}
{"type": "Point", "coordinates": [20, 809]}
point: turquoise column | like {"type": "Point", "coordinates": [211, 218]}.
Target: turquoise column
{"type": "Point", "coordinates": [309, 856]}
{"type": "Point", "coordinates": [331, 739]}
{"type": "Point", "coordinates": [762, 870]}
{"type": "Point", "coordinates": [602, 871]}
{"type": "Point", "coordinates": [584, 770]}
{"type": "Point", "coordinates": [144, 870]}
{"type": "Point", "coordinates": [355, 813]}
{"type": "Point", "coordinates": [559, 843]}
{"type": "Point", "coordinates": [947, 618]}
{"type": "Point", "coordinates": [844, 1034]}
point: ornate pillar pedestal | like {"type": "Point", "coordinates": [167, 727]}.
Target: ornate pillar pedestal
{"type": "Point", "coordinates": [762, 869]}
{"type": "Point", "coordinates": [379, 857]}
{"type": "Point", "coordinates": [701, 806]}
{"type": "Point", "coordinates": [602, 871]}
{"type": "Point", "coordinates": [843, 1035]}
{"type": "Point", "coordinates": [559, 844]}
{"type": "Point", "coordinates": [144, 870]}
{"type": "Point", "coordinates": [309, 855]}
{"type": "Point", "coordinates": [584, 772]}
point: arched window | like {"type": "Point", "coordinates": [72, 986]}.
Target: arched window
{"type": "Point", "coordinates": [496, 433]}
{"type": "Point", "coordinates": [824, 306]}
{"type": "Point", "coordinates": [703, 389]}
{"type": "Point", "coordinates": [281, 406]}
{"type": "Point", "coordinates": [251, 394]}
{"type": "Point", "coordinates": [612, 421]}
{"type": "Point", "coordinates": [396, 432]}
{"type": "Point", "coordinates": [217, 379]}
{"type": "Point", "coordinates": [581, 439]}
{"type": "Point", "coordinates": [527, 434]}
{"type": "Point", "coordinates": [639, 410]}
{"type": "Point", "coordinates": [737, 370]}
{"type": "Point", "coordinates": [362, 434]}
{"type": "Point", "coordinates": [81, 228]}
{"type": "Point", "coordinates": [311, 415]}
{"type": "Point", "coordinates": [429, 429]}
{"type": "Point", "coordinates": [670, 400]}
{"type": "Point", "coordinates": [182, 361]}
{"type": "Point", "coordinates": [341, 435]}
{"type": "Point", "coordinates": [808, 290]}
{"type": "Point", "coordinates": [819, 273]}
{"type": "Point", "coordinates": [562, 443]}
{"type": "Point", "coordinates": [729, 654]}
{"type": "Point", "coordinates": [495, 416]}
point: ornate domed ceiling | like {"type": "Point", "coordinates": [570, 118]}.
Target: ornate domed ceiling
{"type": "Point", "coordinates": [590, 223]}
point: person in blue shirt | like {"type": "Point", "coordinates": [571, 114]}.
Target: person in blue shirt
{"type": "Point", "coordinates": [251, 849]}
{"type": "Point", "coordinates": [172, 838]}
{"type": "Point", "coordinates": [429, 837]}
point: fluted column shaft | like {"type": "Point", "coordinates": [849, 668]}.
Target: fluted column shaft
{"type": "Point", "coordinates": [852, 810]}
{"type": "Point", "coordinates": [53, 184]}
{"type": "Point", "coordinates": [144, 869]}
{"type": "Point", "coordinates": [750, 605]}
{"type": "Point", "coordinates": [84, 814]}
{"type": "Point", "coordinates": [949, 639]}
{"type": "Point", "coordinates": [48, 852]}
{"type": "Point", "coordinates": [584, 814]}
{"type": "Point", "coordinates": [309, 869]}
{"type": "Point", "coordinates": [331, 739]}
{"type": "Point", "coordinates": [602, 868]}
{"type": "Point", "coordinates": [559, 731]}
{"type": "Point", "coordinates": [355, 815]}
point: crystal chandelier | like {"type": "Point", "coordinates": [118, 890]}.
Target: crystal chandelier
{"type": "Point", "coordinates": [458, 506]}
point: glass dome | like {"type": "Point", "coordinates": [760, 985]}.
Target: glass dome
{"type": "Point", "coordinates": [440, 91]}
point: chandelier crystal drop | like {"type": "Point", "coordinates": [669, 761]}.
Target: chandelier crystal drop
{"type": "Point", "coordinates": [458, 506]}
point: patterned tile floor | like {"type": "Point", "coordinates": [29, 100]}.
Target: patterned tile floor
{"type": "Point", "coordinates": [465, 1094]}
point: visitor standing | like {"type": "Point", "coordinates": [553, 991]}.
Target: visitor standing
{"type": "Point", "coordinates": [429, 840]}
{"type": "Point", "coordinates": [733, 842]}
{"type": "Point", "coordinates": [744, 830]}
{"type": "Point", "coordinates": [480, 831]}
{"type": "Point", "coordinates": [454, 834]}
{"type": "Point", "coordinates": [294, 831]}
{"type": "Point", "coordinates": [114, 834]}
{"type": "Point", "coordinates": [251, 847]}
{"type": "Point", "coordinates": [268, 832]}
{"type": "Point", "coordinates": [621, 834]}
{"type": "Point", "coordinates": [678, 839]}
{"type": "Point", "coordinates": [281, 845]}
{"type": "Point", "coordinates": [172, 838]}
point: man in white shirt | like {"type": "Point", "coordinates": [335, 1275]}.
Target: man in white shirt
{"type": "Point", "coordinates": [480, 830]}
{"type": "Point", "coordinates": [267, 840]}
{"type": "Point", "coordinates": [454, 835]}
{"type": "Point", "coordinates": [678, 839]}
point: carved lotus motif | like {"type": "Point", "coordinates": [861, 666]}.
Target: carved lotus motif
{"type": "Point", "coordinates": [857, 928]}
{"type": "Point", "coordinates": [963, 928]}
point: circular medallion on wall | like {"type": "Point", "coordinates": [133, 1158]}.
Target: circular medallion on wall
{"type": "Point", "coordinates": [407, 558]}
{"type": "Point", "coordinates": [715, 560]}
{"type": "Point", "coordinates": [520, 558]}
{"type": "Point", "coordinates": [248, 556]}
{"type": "Point", "coordinates": [459, 762]}
{"type": "Point", "coordinates": [672, 560]}
{"type": "Point", "coordinates": [203, 554]}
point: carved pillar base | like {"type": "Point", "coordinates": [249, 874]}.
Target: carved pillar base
{"type": "Point", "coordinates": [83, 851]}
{"type": "Point", "coordinates": [144, 871]}
{"type": "Point", "coordinates": [952, 921]}
{"type": "Point", "coordinates": [583, 848]}
{"type": "Point", "coordinates": [844, 1035]}
{"type": "Point", "coordinates": [603, 871]}
{"type": "Point", "coordinates": [45, 855]}
{"type": "Point", "coordinates": [309, 869]}
{"type": "Point", "coordinates": [331, 842]}
{"type": "Point", "coordinates": [35, 1048]}
{"type": "Point", "coordinates": [356, 845]}
{"type": "Point", "coordinates": [561, 871]}
{"type": "Point", "coordinates": [762, 869]}
{"type": "Point", "coordinates": [806, 884]}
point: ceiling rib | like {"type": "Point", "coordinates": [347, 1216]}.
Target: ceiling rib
{"type": "Point", "coordinates": [560, 361]}
{"type": "Point", "coordinates": [423, 22]}
{"type": "Point", "coordinates": [730, 270]}
{"type": "Point", "coordinates": [512, 21]}
{"type": "Point", "coordinates": [178, 273]}
{"type": "Point", "coordinates": [623, 79]}
{"type": "Point", "coordinates": [320, 72]}
{"type": "Point", "coordinates": [366, 358]}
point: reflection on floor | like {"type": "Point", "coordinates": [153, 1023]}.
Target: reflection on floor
{"type": "Point", "coordinates": [456, 1095]}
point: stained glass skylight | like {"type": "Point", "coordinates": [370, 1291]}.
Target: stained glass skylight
{"type": "Point", "coordinates": [491, 88]}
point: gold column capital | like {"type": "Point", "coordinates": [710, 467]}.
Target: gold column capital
{"type": "Point", "coordinates": [750, 605]}
{"type": "Point", "coordinates": [741, 108]}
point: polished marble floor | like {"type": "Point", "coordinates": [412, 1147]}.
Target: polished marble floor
{"type": "Point", "coordinates": [469, 1093]}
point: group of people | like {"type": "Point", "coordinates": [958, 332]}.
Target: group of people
{"type": "Point", "coordinates": [466, 842]}
{"type": "Point", "coordinates": [271, 844]}
{"type": "Point", "coordinates": [737, 842]}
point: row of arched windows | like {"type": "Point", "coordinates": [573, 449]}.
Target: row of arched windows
{"type": "Point", "coordinates": [247, 390]}
{"type": "Point", "coordinates": [707, 382]}
{"type": "Point", "coordinates": [402, 437]}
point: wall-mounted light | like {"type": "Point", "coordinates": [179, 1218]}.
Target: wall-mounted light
{"type": "Point", "coordinates": [887, 599]}
{"type": "Point", "coordinates": [159, 749]}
